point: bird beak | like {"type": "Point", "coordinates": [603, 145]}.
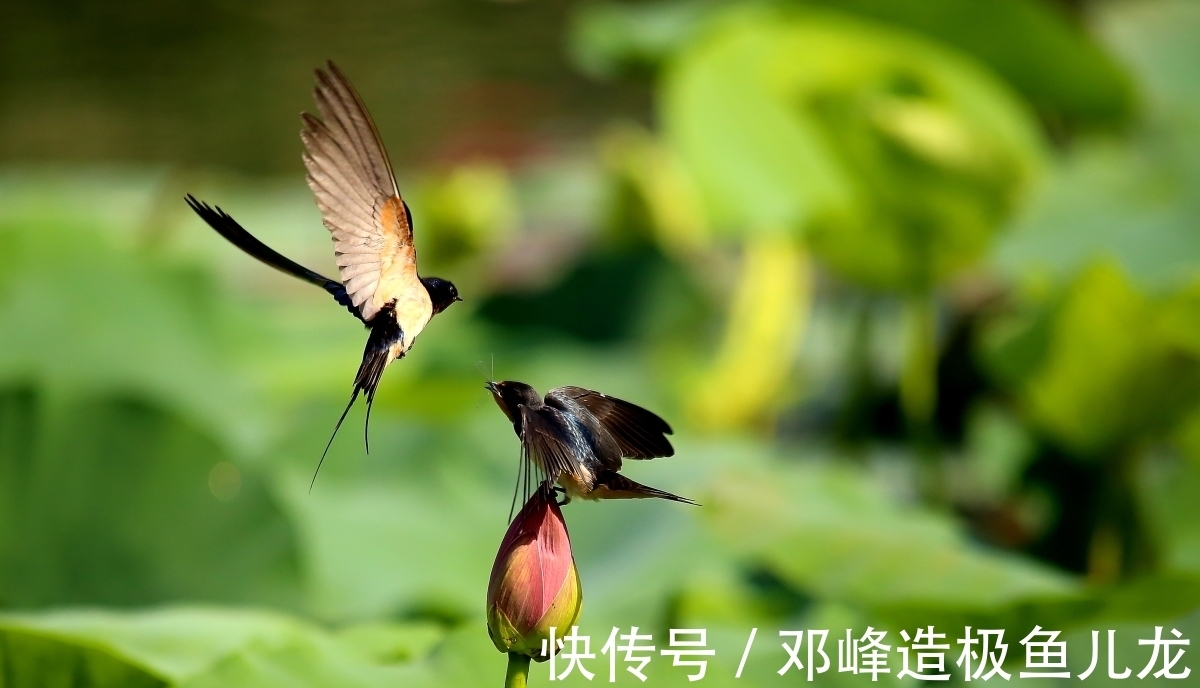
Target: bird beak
{"type": "Point", "coordinates": [491, 387]}
{"type": "Point", "coordinates": [458, 298]}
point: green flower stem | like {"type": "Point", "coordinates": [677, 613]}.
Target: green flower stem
{"type": "Point", "coordinates": [518, 671]}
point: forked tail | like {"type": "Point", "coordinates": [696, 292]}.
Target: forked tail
{"type": "Point", "coordinates": [384, 333]}
{"type": "Point", "coordinates": [613, 485]}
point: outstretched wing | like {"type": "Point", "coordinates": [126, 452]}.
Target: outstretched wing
{"type": "Point", "coordinates": [640, 434]}
{"type": "Point", "coordinates": [547, 439]}
{"type": "Point", "coordinates": [351, 178]}
{"type": "Point", "coordinates": [229, 228]}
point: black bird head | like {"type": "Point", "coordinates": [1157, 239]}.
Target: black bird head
{"type": "Point", "coordinates": [510, 395]}
{"type": "Point", "coordinates": [441, 291]}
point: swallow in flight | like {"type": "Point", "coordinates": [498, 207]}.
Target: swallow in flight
{"type": "Point", "coordinates": [577, 438]}
{"type": "Point", "coordinates": [372, 231]}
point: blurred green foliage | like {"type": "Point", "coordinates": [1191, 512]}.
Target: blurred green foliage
{"type": "Point", "coordinates": [915, 283]}
{"type": "Point", "coordinates": [1060, 70]}
{"type": "Point", "coordinates": [861, 136]}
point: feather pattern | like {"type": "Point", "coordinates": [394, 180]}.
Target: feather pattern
{"type": "Point", "coordinates": [639, 433]}
{"type": "Point", "coordinates": [548, 442]}
{"type": "Point", "coordinates": [577, 437]}
{"type": "Point", "coordinates": [352, 181]}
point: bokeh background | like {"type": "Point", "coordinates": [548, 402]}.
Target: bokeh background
{"type": "Point", "coordinates": [915, 281]}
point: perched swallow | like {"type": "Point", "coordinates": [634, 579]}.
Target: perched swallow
{"type": "Point", "coordinates": [372, 231]}
{"type": "Point", "coordinates": [577, 437]}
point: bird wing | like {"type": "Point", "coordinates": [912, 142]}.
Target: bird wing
{"type": "Point", "coordinates": [352, 180]}
{"type": "Point", "coordinates": [238, 236]}
{"type": "Point", "coordinates": [594, 438]}
{"type": "Point", "coordinates": [639, 433]}
{"type": "Point", "coordinates": [545, 437]}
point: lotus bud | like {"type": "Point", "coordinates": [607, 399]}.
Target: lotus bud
{"type": "Point", "coordinates": [534, 584]}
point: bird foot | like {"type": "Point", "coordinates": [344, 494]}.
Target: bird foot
{"type": "Point", "coordinates": [566, 498]}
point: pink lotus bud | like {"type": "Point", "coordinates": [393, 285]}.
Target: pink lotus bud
{"type": "Point", "coordinates": [534, 584]}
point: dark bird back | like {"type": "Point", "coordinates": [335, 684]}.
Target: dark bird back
{"type": "Point", "coordinates": [577, 438]}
